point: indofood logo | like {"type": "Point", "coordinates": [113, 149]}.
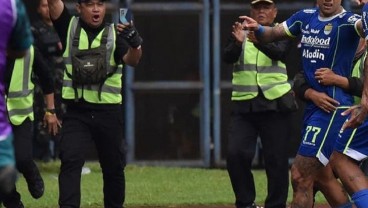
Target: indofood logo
{"type": "Point", "coordinates": [316, 41]}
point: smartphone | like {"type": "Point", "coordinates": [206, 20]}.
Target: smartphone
{"type": "Point", "coordinates": [123, 17]}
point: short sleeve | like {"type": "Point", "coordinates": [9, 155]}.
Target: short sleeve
{"type": "Point", "coordinates": [365, 20]}
{"type": "Point", "coordinates": [293, 25]}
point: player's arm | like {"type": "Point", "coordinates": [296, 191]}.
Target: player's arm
{"type": "Point", "coordinates": [359, 113]}
{"type": "Point", "coordinates": [305, 92]}
{"type": "Point", "coordinates": [326, 76]}
{"type": "Point", "coordinates": [264, 33]}
{"type": "Point", "coordinates": [359, 28]}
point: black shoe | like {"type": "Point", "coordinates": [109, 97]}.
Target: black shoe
{"type": "Point", "coordinates": [8, 177]}
{"type": "Point", "coordinates": [35, 183]}
{"type": "Point", "coordinates": [14, 205]}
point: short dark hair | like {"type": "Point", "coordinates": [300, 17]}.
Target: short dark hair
{"type": "Point", "coordinates": [85, 1]}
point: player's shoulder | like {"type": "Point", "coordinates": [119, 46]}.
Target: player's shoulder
{"type": "Point", "coordinates": [309, 11]}
{"type": "Point", "coordinates": [306, 13]}
{"type": "Point", "coordinates": [349, 17]}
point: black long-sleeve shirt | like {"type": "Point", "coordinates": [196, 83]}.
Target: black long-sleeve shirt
{"type": "Point", "coordinates": [277, 51]}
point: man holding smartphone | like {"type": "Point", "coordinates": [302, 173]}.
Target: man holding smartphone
{"type": "Point", "coordinates": [94, 101]}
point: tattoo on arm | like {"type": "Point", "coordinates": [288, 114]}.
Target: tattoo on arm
{"type": "Point", "coordinates": [274, 33]}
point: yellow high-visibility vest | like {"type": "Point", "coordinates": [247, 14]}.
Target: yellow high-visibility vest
{"type": "Point", "coordinates": [110, 91]}
{"type": "Point", "coordinates": [255, 70]}
{"type": "Point", "coordinates": [19, 100]}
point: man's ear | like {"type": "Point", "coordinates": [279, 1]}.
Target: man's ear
{"type": "Point", "coordinates": [77, 7]}
{"type": "Point", "coordinates": [275, 13]}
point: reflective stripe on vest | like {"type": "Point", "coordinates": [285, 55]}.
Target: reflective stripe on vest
{"type": "Point", "coordinates": [357, 72]}
{"type": "Point", "coordinates": [255, 70]}
{"type": "Point", "coordinates": [111, 89]}
{"type": "Point", "coordinates": [20, 96]}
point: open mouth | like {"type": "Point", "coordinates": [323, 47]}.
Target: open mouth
{"type": "Point", "coordinates": [327, 6]}
{"type": "Point", "coordinates": [96, 18]}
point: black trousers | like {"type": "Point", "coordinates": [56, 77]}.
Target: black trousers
{"type": "Point", "coordinates": [105, 128]}
{"type": "Point", "coordinates": [272, 128]}
{"type": "Point", "coordinates": [23, 135]}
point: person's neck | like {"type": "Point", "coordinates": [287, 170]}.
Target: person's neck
{"type": "Point", "coordinates": [86, 27]}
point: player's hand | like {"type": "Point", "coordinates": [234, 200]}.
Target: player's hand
{"type": "Point", "coordinates": [325, 76]}
{"type": "Point", "coordinates": [357, 116]}
{"type": "Point", "coordinates": [238, 33]}
{"type": "Point", "coordinates": [249, 23]}
{"type": "Point", "coordinates": [358, 113]}
{"type": "Point", "coordinates": [322, 100]}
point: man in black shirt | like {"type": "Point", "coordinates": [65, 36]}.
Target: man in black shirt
{"type": "Point", "coordinates": [21, 116]}
{"type": "Point", "coordinates": [94, 53]}
{"type": "Point", "coordinates": [261, 107]}
{"type": "Point", "coordinates": [48, 43]}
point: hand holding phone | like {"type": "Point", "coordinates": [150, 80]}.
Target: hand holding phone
{"type": "Point", "coordinates": [123, 17]}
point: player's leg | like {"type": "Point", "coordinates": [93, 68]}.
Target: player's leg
{"type": "Point", "coordinates": [306, 164]}
{"type": "Point", "coordinates": [352, 178]}
{"type": "Point", "coordinates": [351, 147]}
{"type": "Point", "coordinates": [331, 188]}
{"type": "Point", "coordinates": [303, 173]}
{"type": "Point", "coordinates": [326, 180]}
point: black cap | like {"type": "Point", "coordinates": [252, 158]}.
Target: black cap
{"type": "Point", "coordinates": [257, 1]}
{"type": "Point", "coordinates": [83, 1]}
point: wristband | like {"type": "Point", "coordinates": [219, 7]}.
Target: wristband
{"type": "Point", "coordinates": [49, 114]}
{"type": "Point", "coordinates": [260, 30]}
{"type": "Point", "coordinates": [50, 111]}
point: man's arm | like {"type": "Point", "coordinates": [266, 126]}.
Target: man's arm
{"type": "Point", "coordinates": [130, 34]}
{"type": "Point", "coordinates": [264, 34]}
{"type": "Point", "coordinates": [277, 50]}
{"type": "Point", "coordinates": [45, 75]}
{"type": "Point", "coordinates": [56, 7]}
{"type": "Point", "coordinates": [133, 56]}
{"type": "Point", "coordinates": [234, 44]}
{"type": "Point", "coordinates": [359, 113]}
{"type": "Point", "coordinates": [232, 51]}
{"type": "Point", "coordinates": [306, 92]}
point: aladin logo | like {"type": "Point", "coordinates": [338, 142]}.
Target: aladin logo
{"type": "Point", "coordinates": [88, 64]}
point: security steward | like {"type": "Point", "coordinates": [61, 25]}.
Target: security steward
{"type": "Point", "coordinates": [94, 53]}
{"type": "Point", "coordinates": [262, 100]}
{"type": "Point", "coordinates": [19, 101]}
